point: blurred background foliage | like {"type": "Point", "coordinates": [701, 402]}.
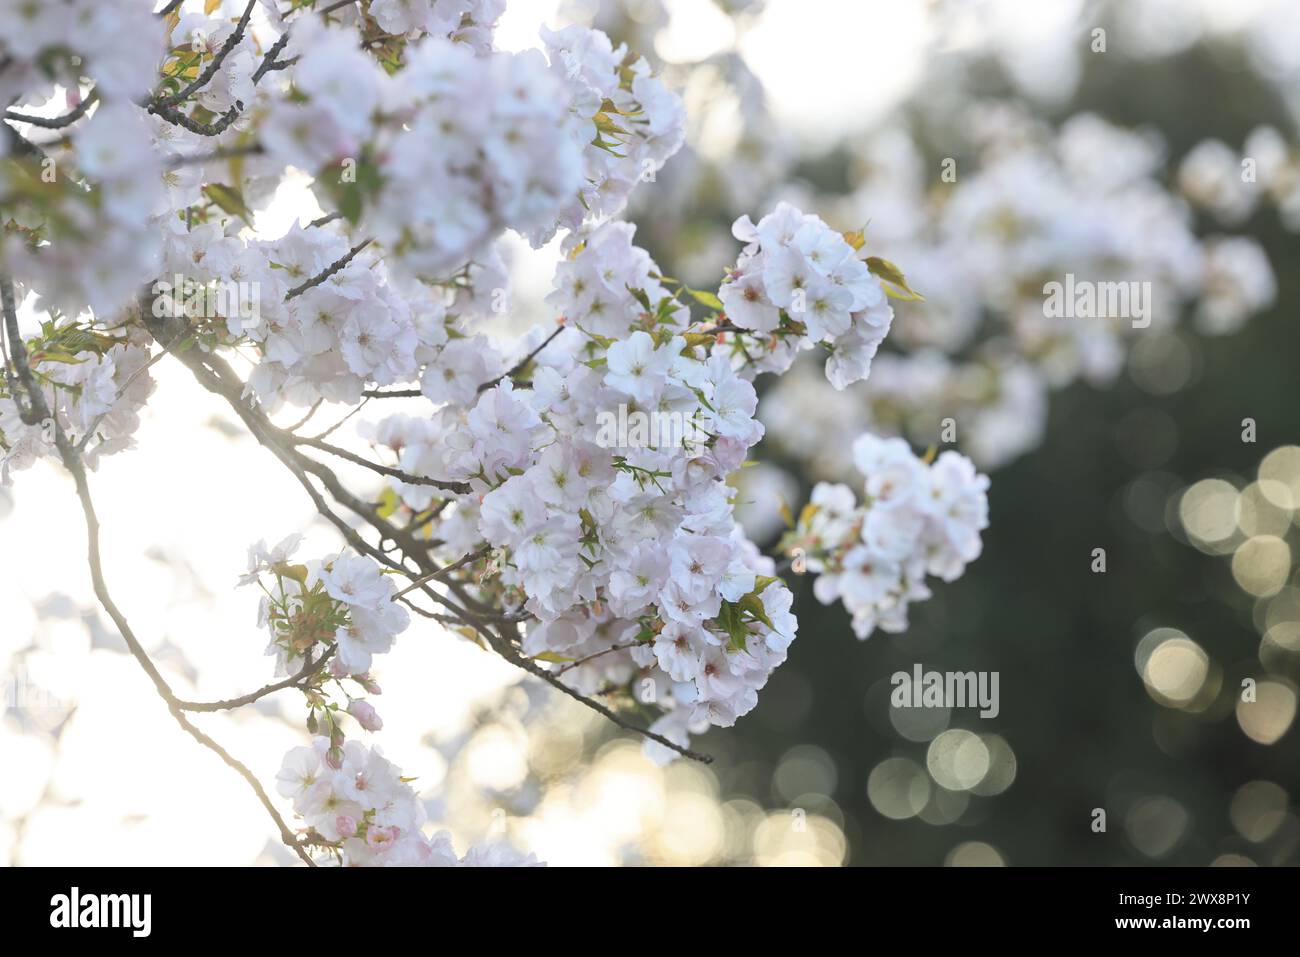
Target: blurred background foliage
{"type": "Point", "coordinates": [1181, 782]}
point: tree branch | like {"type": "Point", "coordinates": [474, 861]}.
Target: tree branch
{"type": "Point", "coordinates": [269, 61]}
{"type": "Point", "coordinates": [204, 78]}
{"type": "Point", "coordinates": [339, 5]}
{"type": "Point", "coordinates": [441, 573]}
{"type": "Point", "coordinates": [309, 670]}
{"type": "Point", "coordinates": [578, 662]}
{"type": "Point", "coordinates": [522, 364]}
{"type": "Point", "coordinates": [56, 122]}
{"type": "Point", "coordinates": [464, 611]}
{"type": "Point", "coordinates": [460, 488]}
{"type": "Point", "coordinates": [227, 152]}
{"type": "Point", "coordinates": [506, 650]}
{"type": "Point", "coordinates": [333, 269]}
{"type": "Point", "coordinates": [72, 462]}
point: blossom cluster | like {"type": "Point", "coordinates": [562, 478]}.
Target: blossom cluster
{"type": "Point", "coordinates": [639, 122]}
{"type": "Point", "coordinates": [340, 610]}
{"type": "Point", "coordinates": [618, 554]}
{"type": "Point", "coordinates": [916, 518]}
{"type": "Point", "coordinates": [361, 810]}
{"type": "Point", "coordinates": [1232, 185]}
{"type": "Point", "coordinates": [445, 155]}
{"type": "Point", "coordinates": [997, 406]}
{"type": "Point", "coordinates": [797, 284]}
{"type": "Point", "coordinates": [430, 164]}
{"type": "Point", "coordinates": [1089, 200]}
{"type": "Point", "coordinates": [61, 203]}
{"type": "Point", "coordinates": [354, 803]}
{"type": "Point", "coordinates": [326, 342]}
{"type": "Point", "coordinates": [456, 171]}
{"type": "Point", "coordinates": [438, 159]}
{"type": "Point", "coordinates": [44, 44]}
{"type": "Point", "coordinates": [628, 556]}
{"type": "Point", "coordinates": [94, 397]}
{"type": "Point", "coordinates": [466, 21]}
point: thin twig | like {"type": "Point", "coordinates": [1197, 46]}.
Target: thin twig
{"type": "Point", "coordinates": [222, 123]}
{"type": "Point", "coordinates": [72, 462]}
{"type": "Point", "coordinates": [306, 418]}
{"type": "Point", "coordinates": [463, 608]}
{"type": "Point", "coordinates": [202, 80]}
{"type": "Point", "coordinates": [570, 665]}
{"type": "Point", "coordinates": [336, 6]}
{"type": "Point", "coordinates": [225, 152]}
{"type": "Point", "coordinates": [335, 427]}
{"type": "Point", "coordinates": [309, 670]}
{"type": "Point", "coordinates": [328, 272]}
{"type": "Point", "coordinates": [56, 122]}
{"type": "Point", "coordinates": [504, 648]}
{"type": "Point", "coordinates": [216, 128]}
{"type": "Point", "coordinates": [522, 364]}
{"type": "Point", "coordinates": [269, 62]}
{"type": "Point", "coordinates": [441, 573]}
{"type": "Point", "coordinates": [459, 488]}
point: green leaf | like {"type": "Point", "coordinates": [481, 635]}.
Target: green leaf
{"type": "Point", "coordinates": [297, 572]}
{"type": "Point", "coordinates": [754, 605]}
{"type": "Point", "coordinates": [229, 199]}
{"type": "Point", "coordinates": [607, 146]}
{"type": "Point", "coordinates": [694, 339]}
{"type": "Point", "coordinates": [640, 296]}
{"type": "Point", "coordinates": [350, 205]}
{"type": "Point", "coordinates": [729, 620]}
{"type": "Point", "coordinates": [56, 355]}
{"type": "Point", "coordinates": [388, 502]}
{"type": "Point", "coordinates": [895, 283]}
{"type": "Point", "coordinates": [705, 298]}
{"type": "Point", "coordinates": [551, 656]}
{"type": "Point", "coordinates": [607, 125]}
{"type": "Point", "coordinates": [603, 341]}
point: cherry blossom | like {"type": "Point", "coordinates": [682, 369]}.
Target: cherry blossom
{"type": "Point", "coordinates": [502, 506]}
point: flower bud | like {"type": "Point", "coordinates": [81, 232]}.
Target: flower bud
{"type": "Point", "coordinates": [366, 715]}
